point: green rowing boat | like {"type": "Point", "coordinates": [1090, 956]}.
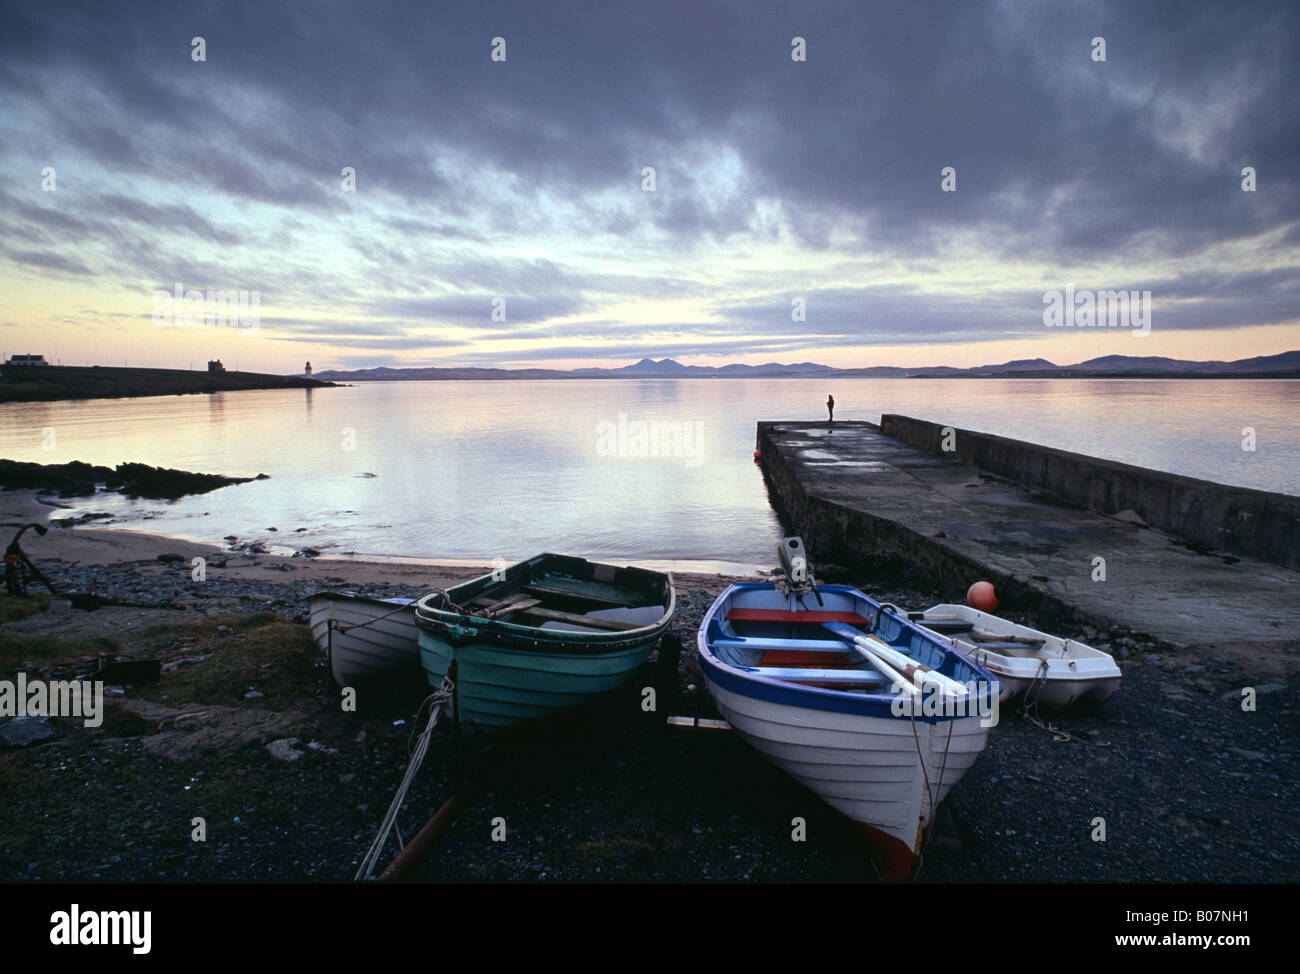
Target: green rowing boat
{"type": "Point", "coordinates": [541, 636]}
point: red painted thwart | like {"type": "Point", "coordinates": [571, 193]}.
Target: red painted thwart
{"type": "Point", "coordinates": [784, 615]}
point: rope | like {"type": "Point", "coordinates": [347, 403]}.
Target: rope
{"type": "Point", "coordinates": [370, 622]}
{"type": "Point", "coordinates": [930, 791]}
{"type": "Point", "coordinates": [880, 609]}
{"type": "Point", "coordinates": [1058, 735]}
{"type": "Point", "coordinates": [1029, 710]}
{"type": "Point", "coordinates": [1036, 685]}
{"type": "Point", "coordinates": [446, 605]}
{"type": "Point", "coordinates": [436, 702]}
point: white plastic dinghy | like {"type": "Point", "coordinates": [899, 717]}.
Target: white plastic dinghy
{"type": "Point", "coordinates": [1033, 666]}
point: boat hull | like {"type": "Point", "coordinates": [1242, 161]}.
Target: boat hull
{"type": "Point", "coordinates": [499, 687]}
{"type": "Point", "coordinates": [865, 768]}
{"type": "Point", "coordinates": [366, 640]}
{"type": "Point", "coordinates": [1060, 673]}
{"type": "Point", "coordinates": [885, 771]}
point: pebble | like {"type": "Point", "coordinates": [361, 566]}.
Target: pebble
{"type": "Point", "coordinates": [1249, 755]}
{"type": "Point", "coordinates": [173, 586]}
{"type": "Point", "coordinates": [284, 749]}
{"type": "Point", "coordinates": [22, 731]}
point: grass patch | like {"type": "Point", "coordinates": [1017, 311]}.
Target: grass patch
{"type": "Point", "coordinates": [15, 650]}
{"type": "Point", "coordinates": [14, 607]}
{"type": "Point", "coordinates": [259, 652]}
{"type": "Point", "coordinates": [11, 769]}
{"type": "Point", "coordinates": [208, 628]}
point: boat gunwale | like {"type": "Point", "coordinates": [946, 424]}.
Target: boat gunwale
{"type": "Point", "coordinates": [1077, 660]}
{"type": "Point", "coordinates": [440, 622]}
{"type": "Point", "coordinates": [878, 705]}
{"type": "Point", "coordinates": [331, 596]}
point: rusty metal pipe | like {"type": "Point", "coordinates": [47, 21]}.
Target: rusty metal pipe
{"type": "Point", "coordinates": [419, 846]}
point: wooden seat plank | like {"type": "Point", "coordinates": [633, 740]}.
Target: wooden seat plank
{"type": "Point", "coordinates": [946, 626]}
{"type": "Point", "coordinates": [516, 603]}
{"type": "Point", "coordinates": [591, 622]}
{"type": "Point", "coordinates": [784, 645]}
{"type": "Point", "coordinates": [801, 674]}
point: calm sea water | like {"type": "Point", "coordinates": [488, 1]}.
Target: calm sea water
{"type": "Point", "coordinates": [483, 470]}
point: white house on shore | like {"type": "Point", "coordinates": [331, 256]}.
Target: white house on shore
{"type": "Point", "coordinates": [28, 359]}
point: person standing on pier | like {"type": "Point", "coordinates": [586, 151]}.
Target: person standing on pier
{"type": "Point", "coordinates": [830, 408]}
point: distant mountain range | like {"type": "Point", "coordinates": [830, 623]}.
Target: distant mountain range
{"type": "Point", "coordinates": [1284, 365]}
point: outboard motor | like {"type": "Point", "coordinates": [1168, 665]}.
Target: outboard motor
{"type": "Point", "coordinates": [793, 560]}
{"type": "Point", "coordinates": [795, 576]}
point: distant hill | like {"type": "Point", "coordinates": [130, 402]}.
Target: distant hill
{"type": "Point", "coordinates": [1285, 365]}
{"type": "Point", "coordinates": [1019, 365]}
{"type": "Point", "coordinates": [1285, 361]}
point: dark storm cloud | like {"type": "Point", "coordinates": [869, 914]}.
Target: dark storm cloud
{"type": "Point", "coordinates": [1059, 159]}
{"type": "Point", "coordinates": [890, 94]}
{"type": "Point", "coordinates": [476, 310]}
{"type": "Point", "coordinates": [46, 261]}
{"type": "Point", "coordinates": [108, 219]}
{"type": "Point", "coordinates": [881, 314]}
{"type": "Point", "coordinates": [532, 276]}
{"type": "Point", "coordinates": [1226, 300]}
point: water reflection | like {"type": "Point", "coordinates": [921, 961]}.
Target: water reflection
{"type": "Point", "coordinates": [638, 470]}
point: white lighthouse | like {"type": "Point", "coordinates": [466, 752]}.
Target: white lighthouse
{"type": "Point", "coordinates": [307, 371]}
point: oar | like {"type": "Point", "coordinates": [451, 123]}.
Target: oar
{"type": "Point", "coordinates": [892, 675]}
{"type": "Point", "coordinates": [878, 653]}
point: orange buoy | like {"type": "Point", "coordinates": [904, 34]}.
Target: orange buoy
{"type": "Point", "coordinates": [758, 456]}
{"type": "Point", "coordinates": [981, 596]}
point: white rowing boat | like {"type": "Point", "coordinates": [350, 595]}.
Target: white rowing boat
{"type": "Point", "coordinates": [1034, 666]}
{"type": "Point", "coordinates": [831, 692]}
{"type": "Point", "coordinates": [366, 640]}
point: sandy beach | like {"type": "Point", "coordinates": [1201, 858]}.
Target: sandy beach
{"type": "Point", "coordinates": [87, 545]}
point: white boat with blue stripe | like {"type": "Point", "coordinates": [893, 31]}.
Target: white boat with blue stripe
{"type": "Point", "coordinates": [874, 715]}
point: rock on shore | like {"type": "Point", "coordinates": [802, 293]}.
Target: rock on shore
{"type": "Point", "coordinates": [77, 479]}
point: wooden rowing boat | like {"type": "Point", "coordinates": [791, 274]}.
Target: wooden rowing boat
{"type": "Point", "coordinates": [540, 636]}
{"type": "Point", "coordinates": [366, 640]}
{"type": "Point", "coordinates": [839, 716]}
{"type": "Point", "coordinates": [1033, 666]}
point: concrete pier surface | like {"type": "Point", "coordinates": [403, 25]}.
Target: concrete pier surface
{"type": "Point", "coordinates": [861, 498]}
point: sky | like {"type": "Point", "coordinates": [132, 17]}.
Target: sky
{"type": "Point", "coordinates": [501, 212]}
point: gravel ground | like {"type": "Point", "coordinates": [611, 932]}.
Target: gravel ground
{"type": "Point", "coordinates": [1190, 786]}
{"type": "Point", "coordinates": [155, 584]}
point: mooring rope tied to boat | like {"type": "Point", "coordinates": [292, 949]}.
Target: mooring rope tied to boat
{"type": "Point", "coordinates": [930, 791]}
{"type": "Point", "coordinates": [436, 702]}
{"type": "Point", "coordinates": [1036, 685]}
{"type": "Point", "coordinates": [1058, 735]}
{"type": "Point", "coordinates": [369, 622]}
{"type": "Point", "coordinates": [1029, 711]}
{"type": "Point", "coordinates": [450, 606]}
